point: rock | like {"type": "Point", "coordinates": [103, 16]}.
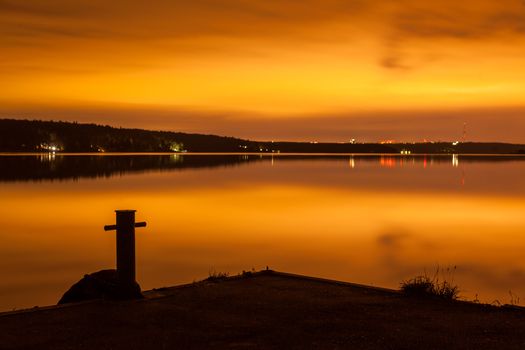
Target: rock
{"type": "Point", "coordinates": [100, 285]}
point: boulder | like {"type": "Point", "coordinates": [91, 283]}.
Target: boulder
{"type": "Point", "coordinates": [100, 285]}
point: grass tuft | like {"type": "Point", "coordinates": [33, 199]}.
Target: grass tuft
{"type": "Point", "coordinates": [441, 285]}
{"type": "Point", "coordinates": [214, 276]}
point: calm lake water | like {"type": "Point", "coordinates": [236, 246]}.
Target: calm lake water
{"type": "Point", "coordinates": [367, 219]}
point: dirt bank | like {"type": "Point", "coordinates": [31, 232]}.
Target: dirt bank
{"type": "Point", "coordinates": [266, 310]}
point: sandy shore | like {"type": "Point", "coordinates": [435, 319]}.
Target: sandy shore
{"type": "Point", "coordinates": [266, 310]}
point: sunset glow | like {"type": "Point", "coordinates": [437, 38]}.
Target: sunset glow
{"type": "Point", "coordinates": [262, 173]}
{"type": "Point", "coordinates": [270, 70]}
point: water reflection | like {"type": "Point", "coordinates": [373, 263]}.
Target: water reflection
{"type": "Point", "coordinates": [353, 217]}
{"type": "Point", "coordinates": [56, 166]}
{"type": "Point", "coordinates": [52, 166]}
{"type": "Point", "coordinates": [455, 160]}
{"type": "Point", "coordinates": [351, 162]}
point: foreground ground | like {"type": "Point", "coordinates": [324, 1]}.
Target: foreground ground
{"type": "Point", "coordinates": [267, 310]}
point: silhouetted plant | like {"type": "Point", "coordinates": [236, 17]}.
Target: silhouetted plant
{"type": "Point", "coordinates": [419, 286]}
{"type": "Point", "coordinates": [440, 285]}
{"type": "Point", "coordinates": [214, 276]}
{"type": "Point", "coordinates": [514, 299]}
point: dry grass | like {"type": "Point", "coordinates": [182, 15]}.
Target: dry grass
{"type": "Point", "coordinates": [214, 276]}
{"type": "Point", "coordinates": [440, 285]}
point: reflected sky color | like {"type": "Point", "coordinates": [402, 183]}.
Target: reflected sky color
{"type": "Point", "coordinates": [373, 220]}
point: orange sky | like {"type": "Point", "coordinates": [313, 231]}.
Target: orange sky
{"type": "Point", "coordinates": [273, 69]}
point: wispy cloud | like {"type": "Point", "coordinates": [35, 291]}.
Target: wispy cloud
{"type": "Point", "coordinates": [354, 55]}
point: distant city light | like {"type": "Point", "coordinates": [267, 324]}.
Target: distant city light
{"type": "Point", "coordinates": [50, 147]}
{"type": "Point", "coordinates": [176, 147]}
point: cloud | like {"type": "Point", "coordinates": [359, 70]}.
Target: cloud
{"type": "Point", "coordinates": [269, 55]}
{"type": "Point", "coordinates": [432, 25]}
{"type": "Point", "coordinates": [49, 8]}
{"type": "Point", "coordinates": [200, 24]}
{"type": "Point", "coordinates": [461, 22]}
{"type": "Point", "coordinates": [274, 19]}
{"type": "Point", "coordinates": [169, 19]}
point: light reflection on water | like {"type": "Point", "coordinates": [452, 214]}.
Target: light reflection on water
{"type": "Point", "coordinates": [367, 219]}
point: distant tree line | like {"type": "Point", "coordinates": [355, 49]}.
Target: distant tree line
{"type": "Point", "coordinates": [51, 136]}
{"type": "Point", "coordinates": [33, 135]}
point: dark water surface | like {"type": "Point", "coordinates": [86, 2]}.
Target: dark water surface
{"type": "Point", "coordinates": [368, 219]}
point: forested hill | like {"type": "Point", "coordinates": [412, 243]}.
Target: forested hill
{"type": "Point", "coordinates": [42, 136]}
{"type": "Point", "coordinates": [33, 135]}
{"type": "Point", "coordinates": [51, 136]}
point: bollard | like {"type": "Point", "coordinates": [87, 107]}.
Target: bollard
{"type": "Point", "coordinates": [125, 227]}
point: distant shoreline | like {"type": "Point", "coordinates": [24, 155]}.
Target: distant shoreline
{"type": "Point", "coordinates": [29, 136]}
{"type": "Point", "coordinates": [280, 154]}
